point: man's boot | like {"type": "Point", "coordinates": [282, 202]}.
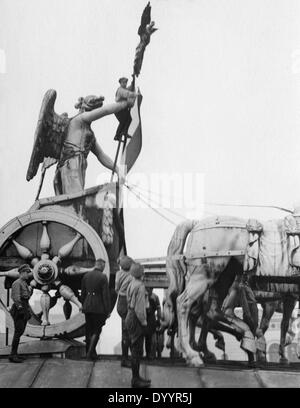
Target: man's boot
{"type": "Point", "coordinates": [13, 358]}
{"type": "Point", "coordinates": [137, 381]}
{"type": "Point", "coordinates": [144, 380]}
{"type": "Point", "coordinates": [91, 354]}
{"type": "Point", "coordinates": [125, 362]}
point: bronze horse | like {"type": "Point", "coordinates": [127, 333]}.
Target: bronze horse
{"type": "Point", "coordinates": [219, 248]}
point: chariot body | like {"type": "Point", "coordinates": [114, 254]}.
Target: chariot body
{"type": "Point", "coordinates": [60, 238]}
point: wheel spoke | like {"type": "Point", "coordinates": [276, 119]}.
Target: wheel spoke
{"type": "Point", "coordinates": [13, 273]}
{"type": "Point", "coordinates": [33, 283]}
{"type": "Point", "coordinates": [74, 270]}
{"type": "Point", "coordinates": [68, 294]}
{"type": "Point", "coordinates": [66, 249]}
{"type": "Point", "coordinates": [24, 252]}
{"type": "Point", "coordinates": [45, 240]}
{"type": "Point", "coordinates": [34, 261]}
{"type": "Point", "coordinates": [45, 305]}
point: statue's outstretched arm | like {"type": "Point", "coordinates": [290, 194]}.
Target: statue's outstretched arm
{"type": "Point", "coordinates": [104, 111]}
{"type": "Point", "coordinates": [105, 160]}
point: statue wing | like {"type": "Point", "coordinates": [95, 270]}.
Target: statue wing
{"type": "Point", "coordinates": [145, 19]}
{"type": "Point", "coordinates": [49, 134]}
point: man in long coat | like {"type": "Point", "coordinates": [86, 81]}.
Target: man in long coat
{"type": "Point", "coordinates": [136, 323]}
{"type": "Point", "coordinates": [95, 301]}
{"type": "Point", "coordinates": [123, 278]}
{"type": "Point", "coordinates": [153, 322]}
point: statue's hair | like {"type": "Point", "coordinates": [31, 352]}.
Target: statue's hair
{"type": "Point", "coordinates": [90, 102]}
{"type": "Point", "coordinates": [79, 103]}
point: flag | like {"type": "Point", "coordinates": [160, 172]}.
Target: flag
{"type": "Point", "coordinates": [132, 150]}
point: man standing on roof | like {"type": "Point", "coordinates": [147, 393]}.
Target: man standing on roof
{"type": "Point", "coordinates": [123, 278]}
{"type": "Point", "coordinates": [95, 301]}
{"type": "Point", "coordinates": [136, 323]}
{"type": "Point", "coordinates": [20, 311]}
{"type": "Point", "coordinates": [153, 322]}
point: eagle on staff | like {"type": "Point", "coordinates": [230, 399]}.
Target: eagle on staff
{"type": "Point", "coordinates": [146, 29]}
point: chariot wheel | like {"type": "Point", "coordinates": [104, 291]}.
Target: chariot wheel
{"type": "Point", "coordinates": [59, 247]}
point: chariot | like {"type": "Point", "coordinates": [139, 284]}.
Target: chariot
{"type": "Point", "coordinates": [60, 238]}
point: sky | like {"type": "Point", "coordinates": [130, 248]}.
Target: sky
{"type": "Point", "coordinates": [220, 81]}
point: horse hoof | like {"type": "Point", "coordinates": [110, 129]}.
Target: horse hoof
{"type": "Point", "coordinates": [261, 357]}
{"type": "Point", "coordinates": [283, 360]}
{"type": "Point", "coordinates": [195, 361]}
{"type": "Point", "coordinates": [248, 344]}
{"type": "Point", "coordinates": [195, 346]}
{"type": "Point", "coordinates": [252, 364]}
{"type": "Point", "coordinates": [209, 358]}
{"type": "Point", "coordinates": [220, 344]}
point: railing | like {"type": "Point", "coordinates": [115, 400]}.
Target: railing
{"type": "Point", "coordinates": [155, 272]}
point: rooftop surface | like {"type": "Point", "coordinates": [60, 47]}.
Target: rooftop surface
{"type": "Point", "coordinates": [108, 373]}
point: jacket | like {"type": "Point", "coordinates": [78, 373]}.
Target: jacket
{"type": "Point", "coordinates": [123, 278]}
{"type": "Point", "coordinates": [136, 300]}
{"type": "Point", "coordinates": [95, 296]}
{"type": "Point", "coordinates": [20, 294]}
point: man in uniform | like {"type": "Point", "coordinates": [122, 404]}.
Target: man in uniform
{"type": "Point", "coordinates": [95, 301]}
{"type": "Point", "coordinates": [153, 321]}
{"type": "Point", "coordinates": [124, 117]}
{"type": "Point", "coordinates": [123, 278]}
{"type": "Point", "coordinates": [20, 311]}
{"type": "Point", "coordinates": [136, 323]}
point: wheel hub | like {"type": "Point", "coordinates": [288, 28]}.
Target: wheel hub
{"type": "Point", "coordinates": [45, 272]}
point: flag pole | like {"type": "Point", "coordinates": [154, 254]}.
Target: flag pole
{"type": "Point", "coordinates": [116, 159]}
{"type": "Point", "coordinates": [41, 184]}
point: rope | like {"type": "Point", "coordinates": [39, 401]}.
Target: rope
{"type": "Point", "coordinates": [221, 204]}
{"type": "Point", "coordinates": [251, 205]}
{"type": "Point", "coordinates": [158, 204]}
{"type": "Point", "coordinates": [154, 192]}
{"type": "Point", "coordinates": [153, 209]}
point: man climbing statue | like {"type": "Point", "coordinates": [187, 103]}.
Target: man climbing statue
{"type": "Point", "coordinates": [124, 117]}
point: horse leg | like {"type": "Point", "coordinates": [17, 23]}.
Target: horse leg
{"type": "Point", "coordinates": [225, 326]}
{"type": "Point", "coordinates": [195, 287]}
{"type": "Point", "coordinates": [235, 326]}
{"type": "Point", "coordinates": [290, 336]}
{"type": "Point", "coordinates": [192, 329]}
{"type": "Point", "coordinates": [268, 311]}
{"type": "Point", "coordinates": [248, 341]}
{"type": "Point", "coordinates": [288, 307]}
{"type": "Point", "coordinates": [218, 336]}
{"type": "Point", "coordinates": [208, 356]}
